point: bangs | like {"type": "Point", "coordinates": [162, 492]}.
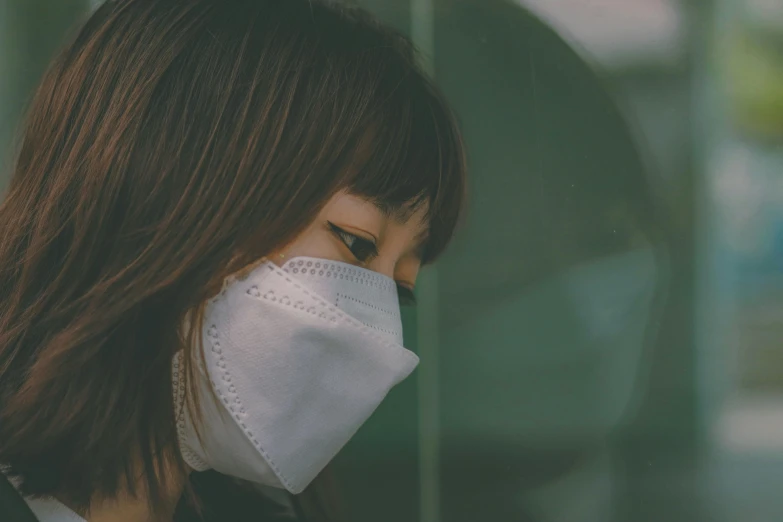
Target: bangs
{"type": "Point", "coordinates": [414, 156]}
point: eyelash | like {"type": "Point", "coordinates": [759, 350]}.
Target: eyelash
{"type": "Point", "coordinates": [364, 250]}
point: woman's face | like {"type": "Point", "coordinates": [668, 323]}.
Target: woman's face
{"type": "Point", "coordinates": [353, 230]}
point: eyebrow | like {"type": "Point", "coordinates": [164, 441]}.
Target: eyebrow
{"type": "Point", "coordinates": [399, 212]}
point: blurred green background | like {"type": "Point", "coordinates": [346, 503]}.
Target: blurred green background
{"type": "Point", "coordinates": [596, 129]}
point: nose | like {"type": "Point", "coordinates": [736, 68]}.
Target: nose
{"type": "Point", "coordinates": [384, 265]}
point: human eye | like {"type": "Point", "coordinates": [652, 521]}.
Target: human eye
{"type": "Point", "coordinates": [362, 249]}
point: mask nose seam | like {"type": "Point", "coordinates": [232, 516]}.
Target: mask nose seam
{"type": "Point", "coordinates": [369, 305]}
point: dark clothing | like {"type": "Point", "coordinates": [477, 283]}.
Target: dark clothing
{"type": "Point", "coordinates": [223, 499]}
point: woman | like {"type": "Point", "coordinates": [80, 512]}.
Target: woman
{"type": "Point", "coordinates": [214, 209]}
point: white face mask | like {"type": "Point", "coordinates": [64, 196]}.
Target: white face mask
{"type": "Point", "coordinates": [299, 357]}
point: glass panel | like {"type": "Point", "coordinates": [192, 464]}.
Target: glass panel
{"type": "Point", "coordinates": [547, 301]}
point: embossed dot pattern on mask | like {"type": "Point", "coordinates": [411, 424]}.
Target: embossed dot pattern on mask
{"type": "Point", "coordinates": [369, 297]}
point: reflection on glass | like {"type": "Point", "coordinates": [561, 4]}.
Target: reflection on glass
{"type": "Point", "coordinates": [547, 298]}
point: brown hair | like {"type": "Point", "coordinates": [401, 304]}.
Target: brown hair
{"type": "Point", "coordinates": [172, 143]}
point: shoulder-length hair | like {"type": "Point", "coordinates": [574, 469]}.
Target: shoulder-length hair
{"type": "Point", "coordinates": [169, 145]}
